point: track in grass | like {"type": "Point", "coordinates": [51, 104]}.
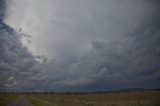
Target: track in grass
{"type": "Point", "coordinates": [20, 101]}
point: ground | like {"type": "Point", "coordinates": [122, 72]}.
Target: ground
{"type": "Point", "coordinates": [103, 99]}
{"type": "Point", "coordinates": [20, 101]}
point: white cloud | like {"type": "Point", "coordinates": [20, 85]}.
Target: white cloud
{"type": "Point", "coordinates": [11, 82]}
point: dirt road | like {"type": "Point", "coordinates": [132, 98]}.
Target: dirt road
{"type": "Point", "coordinates": [20, 101]}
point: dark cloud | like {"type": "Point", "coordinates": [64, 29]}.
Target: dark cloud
{"type": "Point", "coordinates": [2, 8]}
{"type": "Point", "coordinates": [11, 82]}
{"type": "Point", "coordinates": [102, 50]}
{"type": "Point", "coordinates": [15, 59]}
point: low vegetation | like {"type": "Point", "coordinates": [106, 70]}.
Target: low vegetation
{"type": "Point", "coordinates": [108, 99]}
{"type": "Point", "coordinates": [39, 102]}
{"type": "Point", "coordinates": [151, 98]}
{"type": "Point", "coordinates": [6, 98]}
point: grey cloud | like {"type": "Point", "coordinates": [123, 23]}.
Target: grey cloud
{"type": "Point", "coordinates": [15, 60]}
{"type": "Point", "coordinates": [134, 57]}
{"type": "Point", "coordinates": [94, 43]}
{"type": "Point", "coordinates": [11, 82]}
{"type": "Point", "coordinates": [98, 44]}
{"type": "Point", "coordinates": [5, 66]}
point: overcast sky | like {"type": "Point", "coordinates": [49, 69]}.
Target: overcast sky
{"type": "Point", "coordinates": [79, 45]}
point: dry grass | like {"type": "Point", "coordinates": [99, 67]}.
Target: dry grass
{"type": "Point", "coordinates": [39, 102]}
{"type": "Point", "coordinates": [109, 99]}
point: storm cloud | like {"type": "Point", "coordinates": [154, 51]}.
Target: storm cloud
{"type": "Point", "coordinates": [79, 45]}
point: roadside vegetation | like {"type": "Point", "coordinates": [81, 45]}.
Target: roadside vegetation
{"type": "Point", "coordinates": [6, 98]}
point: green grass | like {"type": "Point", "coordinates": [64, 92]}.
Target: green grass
{"type": "Point", "coordinates": [6, 98]}
{"type": "Point", "coordinates": [39, 102]}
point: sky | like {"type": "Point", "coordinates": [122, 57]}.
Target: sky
{"type": "Point", "coordinates": [79, 45]}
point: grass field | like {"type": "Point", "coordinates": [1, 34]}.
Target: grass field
{"type": "Point", "coordinates": [6, 98]}
{"type": "Point", "coordinates": [39, 102]}
{"type": "Point", "coordinates": [109, 99]}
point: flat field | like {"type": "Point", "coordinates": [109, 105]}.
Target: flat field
{"type": "Point", "coordinates": [107, 99]}
{"type": "Point", "coordinates": [7, 98]}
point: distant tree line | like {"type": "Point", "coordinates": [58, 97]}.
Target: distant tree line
{"type": "Point", "coordinates": [96, 92]}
